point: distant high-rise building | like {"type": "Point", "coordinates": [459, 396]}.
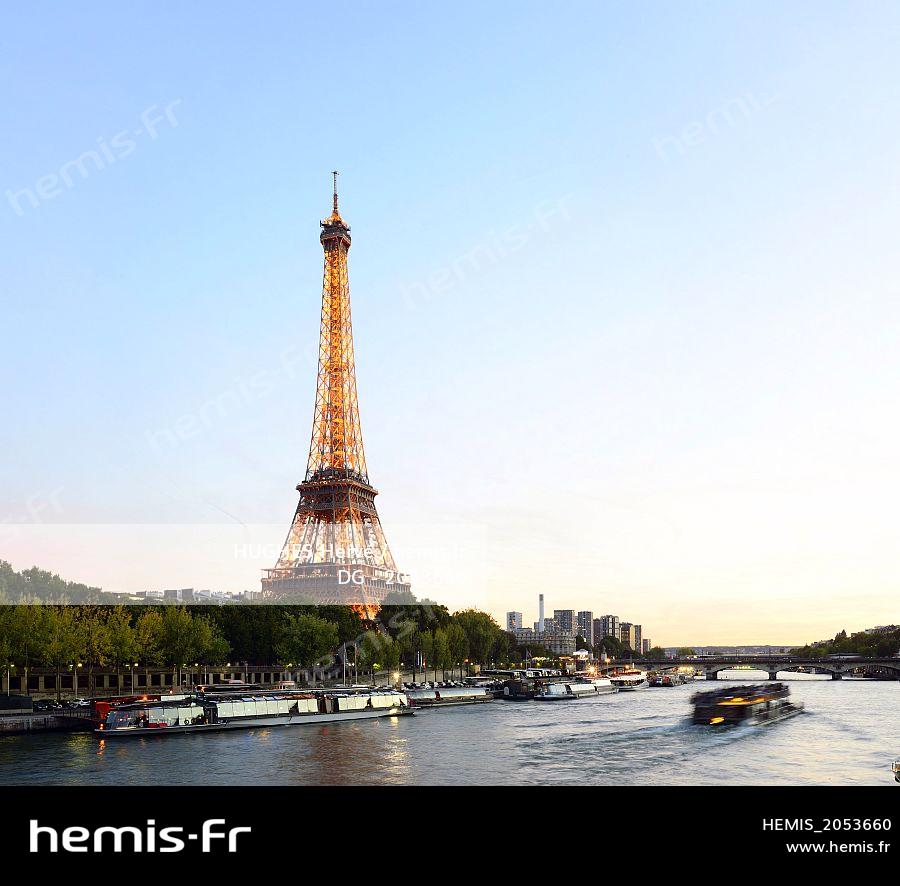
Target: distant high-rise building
{"type": "Point", "coordinates": [565, 619]}
{"type": "Point", "coordinates": [586, 626]}
{"type": "Point", "coordinates": [598, 630]}
{"type": "Point", "coordinates": [638, 637]}
{"type": "Point", "coordinates": [609, 627]}
{"type": "Point", "coordinates": [513, 621]}
{"type": "Point", "coordinates": [627, 634]}
{"type": "Point", "coordinates": [646, 645]}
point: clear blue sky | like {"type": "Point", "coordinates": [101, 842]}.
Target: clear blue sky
{"type": "Point", "coordinates": [624, 283]}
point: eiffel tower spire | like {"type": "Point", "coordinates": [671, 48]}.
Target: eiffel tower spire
{"type": "Point", "coordinates": [336, 551]}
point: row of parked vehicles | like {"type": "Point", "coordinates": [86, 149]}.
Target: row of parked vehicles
{"type": "Point", "coordinates": [46, 705]}
{"type": "Point", "coordinates": [442, 684]}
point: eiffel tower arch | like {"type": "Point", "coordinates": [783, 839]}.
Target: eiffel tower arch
{"type": "Point", "coordinates": [335, 551]}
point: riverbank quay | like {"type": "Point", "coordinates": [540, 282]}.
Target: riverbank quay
{"type": "Point", "coordinates": [23, 722]}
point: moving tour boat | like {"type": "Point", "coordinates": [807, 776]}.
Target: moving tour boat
{"type": "Point", "coordinates": [575, 689]}
{"type": "Point", "coordinates": [212, 711]}
{"type": "Point", "coordinates": [748, 705]}
{"type": "Point", "coordinates": [625, 681]}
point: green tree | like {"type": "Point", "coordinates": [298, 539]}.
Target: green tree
{"type": "Point", "coordinates": [369, 652]}
{"type": "Point", "coordinates": [207, 645]}
{"type": "Point", "coordinates": [480, 631]}
{"type": "Point", "coordinates": [408, 641]}
{"type": "Point", "coordinates": [148, 638]}
{"type": "Point", "coordinates": [459, 644]}
{"type": "Point", "coordinates": [348, 621]}
{"type": "Point", "coordinates": [216, 647]}
{"type": "Point", "coordinates": [35, 584]}
{"type": "Point", "coordinates": [503, 642]}
{"type": "Point", "coordinates": [391, 654]}
{"type": "Point", "coordinates": [63, 642]}
{"type": "Point", "coordinates": [121, 636]}
{"type": "Point", "coordinates": [7, 634]}
{"type": "Point", "coordinates": [28, 636]}
{"type": "Point", "coordinates": [425, 644]}
{"type": "Point", "coordinates": [611, 646]}
{"type": "Point", "coordinates": [177, 639]}
{"type": "Point", "coordinates": [378, 650]}
{"type": "Point", "coordinates": [308, 639]}
{"type": "Point", "coordinates": [440, 652]}
{"type": "Point", "coordinates": [96, 639]}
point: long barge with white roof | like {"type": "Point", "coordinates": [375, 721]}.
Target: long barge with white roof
{"type": "Point", "coordinates": [214, 712]}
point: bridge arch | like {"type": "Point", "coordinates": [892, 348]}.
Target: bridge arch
{"type": "Point", "coordinates": [836, 669]}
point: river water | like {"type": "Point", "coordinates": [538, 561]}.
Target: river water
{"type": "Point", "coordinates": [849, 735]}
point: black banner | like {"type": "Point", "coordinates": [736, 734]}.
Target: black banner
{"type": "Point", "coordinates": [790, 827]}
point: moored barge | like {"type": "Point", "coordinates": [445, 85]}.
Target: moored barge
{"type": "Point", "coordinates": [670, 679]}
{"type": "Point", "coordinates": [213, 712]}
{"type": "Point", "coordinates": [572, 689]}
{"type": "Point", "coordinates": [450, 695]}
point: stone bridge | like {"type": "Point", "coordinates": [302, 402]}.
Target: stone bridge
{"type": "Point", "coordinates": [837, 666]}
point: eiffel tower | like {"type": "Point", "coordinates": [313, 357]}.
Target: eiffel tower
{"type": "Point", "coordinates": [335, 551]}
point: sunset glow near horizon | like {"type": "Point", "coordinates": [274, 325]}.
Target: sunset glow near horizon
{"type": "Point", "coordinates": [626, 333]}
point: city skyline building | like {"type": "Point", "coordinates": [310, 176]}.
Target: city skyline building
{"type": "Point", "coordinates": [581, 623]}
{"type": "Point", "coordinates": [565, 619]}
{"type": "Point", "coordinates": [609, 626]}
{"type": "Point", "coordinates": [585, 620]}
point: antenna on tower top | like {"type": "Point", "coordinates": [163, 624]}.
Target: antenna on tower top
{"type": "Point", "coordinates": [335, 174]}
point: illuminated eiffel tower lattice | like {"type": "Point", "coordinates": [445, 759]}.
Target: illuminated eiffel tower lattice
{"type": "Point", "coordinates": [335, 551]}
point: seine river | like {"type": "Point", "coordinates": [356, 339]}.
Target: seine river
{"type": "Point", "coordinates": [849, 736]}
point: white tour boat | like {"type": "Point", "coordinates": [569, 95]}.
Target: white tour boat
{"type": "Point", "coordinates": [625, 681]}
